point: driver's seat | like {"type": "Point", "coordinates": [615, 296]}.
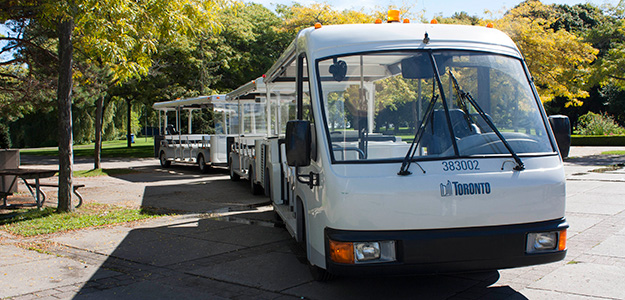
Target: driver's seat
{"type": "Point", "coordinates": [436, 137]}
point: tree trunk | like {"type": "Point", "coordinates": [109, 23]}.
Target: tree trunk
{"type": "Point", "coordinates": [64, 95]}
{"type": "Point", "coordinates": [128, 132]}
{"type": "Point", "coordinates": [98, 134]}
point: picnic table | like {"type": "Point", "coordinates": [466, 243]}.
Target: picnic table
{"type": "Point", "coordinates": [24, 174]}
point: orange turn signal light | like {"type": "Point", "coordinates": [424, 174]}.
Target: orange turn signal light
{"type": "Point", "coordinates": [406, 21]}
{"type": "Point", "coordinates": [393, 15]}
{"type": "Point", "coordinates": [317, 25]}
{"type": "Point", "coordinates": [434, 21]}
{"type": "Point", "coordinates": [378, 21]}
{"type": "Point", "coordinates": [562, 241]}
{"type": "Point", "coordinates": [342, 252]}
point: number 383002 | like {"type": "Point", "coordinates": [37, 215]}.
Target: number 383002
{"type": "Point", "coordinates": [460, 165]}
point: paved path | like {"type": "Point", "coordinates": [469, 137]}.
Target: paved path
{"type": "Point", "coordinates": [179, 188]}
{"type": "Point", "coordinates": [243, 254]}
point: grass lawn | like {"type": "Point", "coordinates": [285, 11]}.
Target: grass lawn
{"type": "Point", "coordinates": [616, 152]}
{"type": "Point", "coordinates": [141, 148]}
{"type": "Point", "coordinates": [32, 222]}
{"type": "Point", "coordinates": [407, 138]}
{"type": "Point", "coordinates": [103, 172]}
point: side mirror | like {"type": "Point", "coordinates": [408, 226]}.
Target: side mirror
{"type": "Point", "coordinates": [561, 127]}
{"type": "Point", "coordinates": [298, 143]}
{"type": "Point", "coordinates": [338, 70]}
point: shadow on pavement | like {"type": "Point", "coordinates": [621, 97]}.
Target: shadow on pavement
{"type": "Point", "coordinates": [194, 193]}
{"type": "Point", "coordinates": [26, 159]}
{"type": "Point", "coordinates": [147, 174]}
{"type": "Point", "coordinates": [200, 197]}
{"type": "Point", "coordinates": [596, 160]}
{"type": "Point", "coordinates": [241, 252]}
{"type": "Point", "coordinates": [209, 259]}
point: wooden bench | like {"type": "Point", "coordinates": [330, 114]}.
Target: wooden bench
{"type": "Point", "coordinates": [76, 187]}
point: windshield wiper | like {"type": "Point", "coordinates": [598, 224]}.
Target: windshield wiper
{"type": "Point", "coordinates": [463, 106]}
{"type": "Point", "coordinates": [467, 96]}
{"type": "Point", "coordinates": [403, 171]}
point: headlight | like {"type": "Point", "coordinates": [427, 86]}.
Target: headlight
{"type": "Point", "coordinates": [367, 251]}
{"type": "Point", "coordinates": [362, 252]}
{"type": "Point", "coordinates": [546, 241]}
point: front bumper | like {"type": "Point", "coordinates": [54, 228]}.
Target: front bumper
{"type": "Point", "coordinates": [449, 250]}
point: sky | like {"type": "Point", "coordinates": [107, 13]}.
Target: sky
{"type": "Point", "coordinates": [432, 8]}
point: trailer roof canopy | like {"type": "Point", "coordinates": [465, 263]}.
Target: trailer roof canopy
{"type": "Point", "coordinates": [195, 102]}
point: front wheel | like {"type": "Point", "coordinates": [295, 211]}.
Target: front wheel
{"type": "Point", "coordinates": [233, 176]}
{"type": "Point", "coordinates": [255, 188]}
{"type": "Point", "coordinates": [201, 162]}
{"type": "Point", "coordinates": [164, 162]}
{"type": "Point", "coordinates": [317, 273]}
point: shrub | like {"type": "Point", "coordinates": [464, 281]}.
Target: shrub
{"type": "Point", "coordinates": [598, 124]}
{"type": "Point", "coordinates": [598, 140]}
{"type": "Point", "coordinates": [5, 138]}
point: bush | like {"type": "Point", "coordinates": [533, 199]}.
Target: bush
{"type": "Point", "coordinates": [5, 138]}
{"type": "Point", "coordinates": [598, 124]}
{"type": "Point", "coordinates": [598, 140]}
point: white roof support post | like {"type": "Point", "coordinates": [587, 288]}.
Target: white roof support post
{"type": "Point", "coordinates": [165, 124]}
{"type": "Point", "coordinates": [241, 117]}
{"type": "Point", "coordinates": [370, 105]}
{"type": "Point", "coordinates": [178, 119]}
{"type": "Point", "coordinates": [160, 124]}
{"type": "Point", "coordinates": [179, 133]}
{"type": "Point", "coordinates": [268, 107]}
{"type": "Point", "coordinates": [279, 114]}
{"type": "Point", "coordinates": [253, 117]}
{"type": "Point", "coordinates": [190, 120]}
{"type": "Point", "coordinates": [226, 125]}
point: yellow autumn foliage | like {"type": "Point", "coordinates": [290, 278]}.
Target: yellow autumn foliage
{"type": "Point", "coordinates": [558, 60]}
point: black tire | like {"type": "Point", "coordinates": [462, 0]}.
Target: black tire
{"type": "Point", "coordinates": [300, 223]}
{"type": "Point", "coordinates": [201, 162]}
{"type": "Point", "coordinates": [163, 159]}
{"type": "Point", "coordinates": [233, 176]}
{"type": "Point", "coordinates": [317, 273]}
{"type": "Point", "coordinates": [254, 188]}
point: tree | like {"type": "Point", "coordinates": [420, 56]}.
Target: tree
{"type": "Point", "coordinates": [252, 40]}
{"type": "Point", "coordinates": [603, 29]}
{"type": "Point", "coordinates": [577, 18]}
{"type": "Point", "coordinates": [119, 36]}
{"type": "Point", "coordinates": [394, 95]}
{"type": "Point", "coordinates": [297, 17]}
{"type": "Point", "coordinates": [28, 69]}
{"type": "Point", "coordinates": [610, 66]}
{"type": "Point", "coordinates": [558, 59]}
{"type": "Point", "coordinates": [22, 11]}
{"type": "Point", "coordinates": [124, 42]}
{"type": "Point", "coordinates": [461, 18]}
